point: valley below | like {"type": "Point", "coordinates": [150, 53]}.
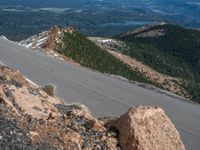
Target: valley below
{"type": "Point", "coordinates": [21, 19]}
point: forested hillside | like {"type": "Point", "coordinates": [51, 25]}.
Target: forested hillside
{"type": "Point", "coordinates": [85, 52]}
{"type": "Point", "coordinates": [169, 49]}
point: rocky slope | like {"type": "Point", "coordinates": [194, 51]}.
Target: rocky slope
{"type": "Point", "coordinates": [31, 119]}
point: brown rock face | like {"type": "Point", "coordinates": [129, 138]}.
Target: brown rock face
{"type": "Point", "coordinates": [55, 35]}
{"type": "Point", "coordinates": [147, 128]}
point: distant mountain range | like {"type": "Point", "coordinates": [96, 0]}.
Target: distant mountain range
{"type": "Point", "coordinates": [23, 18]}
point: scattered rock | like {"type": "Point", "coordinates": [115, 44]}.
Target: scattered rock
{"type": "Point", "coordinates": [149, 128]}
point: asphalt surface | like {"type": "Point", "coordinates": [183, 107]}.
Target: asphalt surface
{"type": "Point", "coordinates": [104, 95]}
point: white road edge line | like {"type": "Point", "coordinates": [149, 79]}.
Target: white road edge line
{"type": "Point", "coordinates": [24, 77]}
{"type": "Point", "coordinates": [1, 63]}
{"type": "Point", "coordinates": [31, 82]}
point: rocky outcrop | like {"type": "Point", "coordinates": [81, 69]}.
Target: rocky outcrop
{"type": "Point", "coordinates": [147, 128]}
{"type": "Point", "coordinates": [32, 119]}
{"type": "Point", "coordinates": [49, 42]}
{"type": "Point", "coordinates": [55, 35]}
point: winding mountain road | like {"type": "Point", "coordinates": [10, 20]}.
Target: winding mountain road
{"type": "Point", "coordinates": [103, 94]}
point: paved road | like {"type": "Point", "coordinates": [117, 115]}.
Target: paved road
{"type": "Point", "coordinates": [102, 94]}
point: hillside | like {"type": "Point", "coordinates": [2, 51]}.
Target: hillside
{"type": "Point", "coordinates": [169, 49]}
{"type": "Point", "coordinates": [85, 52]}
{"type": "Point", "coordinates": [166, 82]}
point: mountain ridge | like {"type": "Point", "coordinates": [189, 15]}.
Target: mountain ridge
{"type": "Point", "coordinates": [173, 83]}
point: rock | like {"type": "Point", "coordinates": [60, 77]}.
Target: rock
{"type": "Point", "coordinates": [35, 105]}
{"type": "Point", "coordinates": [147, 128]}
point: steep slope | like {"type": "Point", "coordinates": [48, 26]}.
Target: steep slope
{"type": "Point", "coordinates": [169, 49]}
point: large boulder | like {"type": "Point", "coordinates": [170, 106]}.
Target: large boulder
{"type": "Point", "coordinates": [147, 128]}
